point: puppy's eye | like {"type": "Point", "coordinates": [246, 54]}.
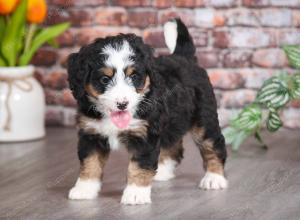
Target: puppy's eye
{"type": "Point", "coordinates": [134, 76]}
{"type": "Point", "coordinates": [104, 80]}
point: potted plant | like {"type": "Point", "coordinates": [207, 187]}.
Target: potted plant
{"type": "Point", "coordinates": [22, 101]}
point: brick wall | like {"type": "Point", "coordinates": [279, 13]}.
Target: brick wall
{"type": "Point", "coordinates": [238, 41]}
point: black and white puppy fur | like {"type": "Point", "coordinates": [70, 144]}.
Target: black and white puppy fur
{"type": "Point", "coordinates": [128, 98]}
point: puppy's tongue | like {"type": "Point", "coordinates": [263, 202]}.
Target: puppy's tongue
{"type": "Point", "coordinates": [120, 118]}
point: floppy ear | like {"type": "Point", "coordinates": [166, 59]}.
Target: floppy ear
{"type": "Point", "coordinates": [76, 76]}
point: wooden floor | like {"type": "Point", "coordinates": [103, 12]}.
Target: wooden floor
{"type": "Point", "coordinates": [35, 178]}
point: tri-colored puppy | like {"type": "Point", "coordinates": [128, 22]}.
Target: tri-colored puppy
{"type": "Point", "coordinates": [128, 98]}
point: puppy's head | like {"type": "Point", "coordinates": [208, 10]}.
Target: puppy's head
{"type": "Point", "coordinates": [112, 73]}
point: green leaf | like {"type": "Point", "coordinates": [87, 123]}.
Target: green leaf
{"type": "Point", "coordinates": [41, 38]}
{"type": "Point", "coordinates": [229, 134]}
{"type": "Point", "coordinates": [2, 27]}
{"type": "Point", "coordinates": [248, 119]}
{"type": "Point", "coordinates": [293, 54]}
{"type": "Point", "coordinates": [239, 139]}
{"type": "Point", "coordinates": [274, 92]}
{"type": "Point", "coordinates": [2, 62]}
{"type": "Point", "coordinates": [273, 121]}
{"type": "Point", "coordinates": [11, 39]}
{"type": "Point", "coordinates": [52, 42]}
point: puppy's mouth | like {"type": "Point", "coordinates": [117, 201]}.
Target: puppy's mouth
{"type": "Point", "coordinates": [120, 119]}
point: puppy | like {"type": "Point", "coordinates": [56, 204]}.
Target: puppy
{"type": "Point", "coordinates": [128, 98]}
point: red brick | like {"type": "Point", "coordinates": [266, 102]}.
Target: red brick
{"type": "Point", "coordinates": [244, 38]}
{"type": "Point", "coordinates": [255, 3]}
{"type": "Point", "coordinates": [285, 3]}
{"type": "Point", "coordinates": [63, 55]}
{"type": "Point", "coordinates": [221, 39]}
{"type": "Point", "coordinates": [66, 39]}
{"type": "Point", "coordinates": [187, 16]}
{"type": "Point", "coordinates": [290, 118]}
{"type": "Point", "coordinates": [62, 3]}
{"type": "Point", "coordinates": [237, 58]}
{"type": "Point", "coordinates": [111, 16]}
{"type": "Point", "coordinates": [56, 15]}
{"type": "Point", "coordinates": [68, 98]}
{"type": "Point", "coordinates": [53, 97]}
{"type": "Point", "coordinates": [288, 37]}
{"type": "Point", "coordinates": [69, 3]}
{"type": "Point", "coordinates": [294, 103]}
{"type": "Point", "coordinates": [269, 58]}
{"type": "Point", "coordinates": [57, 79]}
{"type": "Point", "coordinates": [162, 3]}
{"type": "Point", "coordinates": [189, 3]}
{"type": "Point", "coordinates": [275, 17]}
{"type": "Point", "coordinates": [89, 34]}
{"type": "Point", "coordinates": [200, 37]}
{"type": "Point", "coordinates": [142, 18]}
{"type": "Point", "coordinates": [131, 3]}
{"type": "Point", "coordinates": [221, 3]}
{"type": "Point", "coordinates": [225, 79]}
{"type": "Point", "coordinates": [81, 17]}
{"type": "Point", "coordinates": [154, 37]}
{"type": "Point", "coordinates": [242, 16]}
{"type": "Point", "coordinates": [207, 17]}
{"type": "Point", "coordinates": [237, 98]}
{"type": "Point", "coordinates": [255, 77]}
{"type": "Point", "coordinates": [44, 57]}
{"type": "Point", "coordinates": [296, 18]}
{"type": "Point", "coordinates": [208, 59]}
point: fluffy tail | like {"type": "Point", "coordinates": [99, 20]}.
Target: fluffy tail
{"type": "Point", "coordinates": [178, 39]}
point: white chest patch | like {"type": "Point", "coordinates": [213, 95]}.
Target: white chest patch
{"type": "Point", "coordinates": [107, 129]}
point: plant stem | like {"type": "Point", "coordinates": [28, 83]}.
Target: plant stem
{"type": "Point", "coordinates": [29, 36]}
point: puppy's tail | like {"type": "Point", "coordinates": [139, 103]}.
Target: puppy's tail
{"type": "Point", "coordinates": [178, 39]}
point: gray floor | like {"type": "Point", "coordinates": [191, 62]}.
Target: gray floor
{"type": "Point", "coordinates": [36, 176]}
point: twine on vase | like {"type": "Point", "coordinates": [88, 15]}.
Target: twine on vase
{"type": "Point", "coordinates": [14, 81]}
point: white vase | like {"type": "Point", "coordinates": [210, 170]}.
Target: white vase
{"type": "Point", "coordinates": [22, 105]}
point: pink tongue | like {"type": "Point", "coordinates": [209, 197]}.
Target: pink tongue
{"type": "Point", "coordinates": [120, 118]}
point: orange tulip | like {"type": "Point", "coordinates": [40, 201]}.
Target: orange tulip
{"type": "Point", "coordinates": [36, 11]}
{"type": "Point", "coordinates": [7, 6]}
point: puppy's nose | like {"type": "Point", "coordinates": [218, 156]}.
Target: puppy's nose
{"type": "Point", "coordinates": [122, 105]}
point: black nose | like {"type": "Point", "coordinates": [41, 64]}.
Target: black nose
{"type": "Point", "coordinates": [122, 105]}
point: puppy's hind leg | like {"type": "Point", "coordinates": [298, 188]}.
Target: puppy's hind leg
{"type": "Point", "coordinates": [169, 158]}
{"type": "Point", "coordinates": [213, 151]}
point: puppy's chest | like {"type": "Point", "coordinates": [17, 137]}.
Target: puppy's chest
{"type": "Point", "coordinates": [107, 129]}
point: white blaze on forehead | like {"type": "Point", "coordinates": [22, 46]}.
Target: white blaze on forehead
{"type": "Point", "coordinates": [119, 57]}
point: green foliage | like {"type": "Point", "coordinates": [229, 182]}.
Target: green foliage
{"type": "Point", "coordinates": [274, 95]}
{"type": "Point", "coordinates": [293, 54]}
{"type": "Point", "coordinates": [12, 37]}
{"type": "Point", "coordinates": [19, 41]}
{"type": "Point", "coordinates": [42, 37]}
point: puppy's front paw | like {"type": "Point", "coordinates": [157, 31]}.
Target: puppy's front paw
{"type": "Point", "coordinates": [85, 189]}
{"type": "Point", "coordinates": [136, 195]}
{"type": "Point", "coordinates": [213, 181]}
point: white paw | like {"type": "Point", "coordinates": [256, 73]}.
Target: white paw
{"type": "Point", "coordinates": [85, 189]}
{"type": "Point", "coordinates": [213, 181]}
{"type": "Point", "coordinates": [165, 170]}
{"type": "Point", "coordinates": [136, 195]}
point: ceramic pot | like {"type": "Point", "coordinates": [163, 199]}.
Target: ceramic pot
{"type": "Point", "coordinates": [22, 105]}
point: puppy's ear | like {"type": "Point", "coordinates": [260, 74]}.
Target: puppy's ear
{"type": "Point", "coordinates": [76, 76]}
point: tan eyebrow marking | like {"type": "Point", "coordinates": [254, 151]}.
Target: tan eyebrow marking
{"type": "Point", "coordinates": [92, 91]}
{"type": "Point", "coordinates": [107, 71]}
{"type": "Point", "coordinates": [129, 70]}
